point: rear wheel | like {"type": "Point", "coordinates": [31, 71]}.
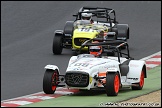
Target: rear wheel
{"type": "Point", "coordinates": [140, 84]}
{"type": "Point", "coordinates": [50, 81]}
{"type": "Point", "coordinates": [112, 84]}
{"type": "Point", "coordinates": [57, 44]}
{"type": "Point", "coordinates": [123, 31]}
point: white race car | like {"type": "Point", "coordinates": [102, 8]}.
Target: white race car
{"type": "Point", "coordinates": [87, 72]}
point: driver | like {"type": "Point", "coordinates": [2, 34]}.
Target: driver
{"type": "Point", "coordinates": [95, 50]}
{"type": "Point", "coordinates": [87, 16]}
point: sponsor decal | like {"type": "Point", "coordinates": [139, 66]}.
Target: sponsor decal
{"type": "Point", "coordinates": [133, 78]}
{"type": "Point", "coordinates": [82, 64]}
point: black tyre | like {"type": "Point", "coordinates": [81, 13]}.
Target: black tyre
{"type": "Point", "coordinates": [123, 31]}
{"type": "Point", "coordinates": [57, 44]}
{"type": "Point", "coordinates": [140, 84]}
{"type": "Point", "coordinates": [50, 81]}
{"type": "Point", "coordinates": [69, 27]}
{"type": "Point", "coordinates": [112, 84]}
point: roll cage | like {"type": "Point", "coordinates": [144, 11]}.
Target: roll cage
{"type": "Point", "coordinates": [110, 44]}
{"type": "Point", "coordinates": [105, 13]}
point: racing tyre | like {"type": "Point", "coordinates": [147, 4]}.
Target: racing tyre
{"type": "Point", "coordinates": [112, 84]}
{"type": "Point", "coordinates": [57, 44]}
{"type": "Point", "coordinates": [68, 29]}
{"type": "Point", "coordinates": [140, 84]}
{"type": "Point", "coordinates": [50, 81]}
{"type": "Point", "coordinates": [123, 31]}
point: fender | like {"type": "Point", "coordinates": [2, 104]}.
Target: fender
{"type": "Point", "coordinates": [52, 67]}
{"type": "Point", "coordinates": [135, 68]}
{"type": "Point", "coordinates": [68, 28]}
{"type": "Point", "coordinates": [59, 32]}
{"type": "Point", "coordinates": [113, 70]}
{"type": "Point", "coordinates": [72, 60]}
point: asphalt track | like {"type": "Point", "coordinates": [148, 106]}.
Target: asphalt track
{"type": "Point", "coordinates": [100, 99]}
{"type": "Point", "coordinates": [27, 33]}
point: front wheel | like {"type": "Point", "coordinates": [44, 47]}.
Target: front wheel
{"type": "Point", "coordinates": [112, 84]}
{"type": "Point", "coordinates": [57, 44]}
{"type": "Point", "coordinates": [50, 81]}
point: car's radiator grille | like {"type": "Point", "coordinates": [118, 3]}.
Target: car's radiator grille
{"type": "Point", "coordinates": [77, 79]}
{"type": "Point", "coordinates": [79, 41]}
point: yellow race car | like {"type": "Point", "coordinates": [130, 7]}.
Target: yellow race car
{"type": "Point", "coordinates": [84, 31]}
{"type": "Point", "coordinates": [77, 32]}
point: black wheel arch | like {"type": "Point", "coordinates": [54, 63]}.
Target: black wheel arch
{"type": "Point", "coordinates": [69, 28]}
{"type": "Point", "coordinates": [57, 45]}
{"type": "Point", "coordinates": [59, 32]}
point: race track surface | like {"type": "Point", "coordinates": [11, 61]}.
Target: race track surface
{"type": "Point", "coordinates": [27, 29]}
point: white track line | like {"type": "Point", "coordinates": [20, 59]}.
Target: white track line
{"type": "Point", "coordinates": [28, 95]}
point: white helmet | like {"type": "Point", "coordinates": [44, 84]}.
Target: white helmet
{"type": "Point", "coordinates": [86, 16]}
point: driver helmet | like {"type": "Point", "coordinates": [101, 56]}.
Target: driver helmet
{"type": "Point", "coordinates": [95, 50]}
{"type": "Point", "coordinates": [86, 16]}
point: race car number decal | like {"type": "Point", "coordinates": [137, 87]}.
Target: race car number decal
{"type": "Point", "coordinates": [85, 30]}
{"type": "Point", "coordinates": [81, 64]}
